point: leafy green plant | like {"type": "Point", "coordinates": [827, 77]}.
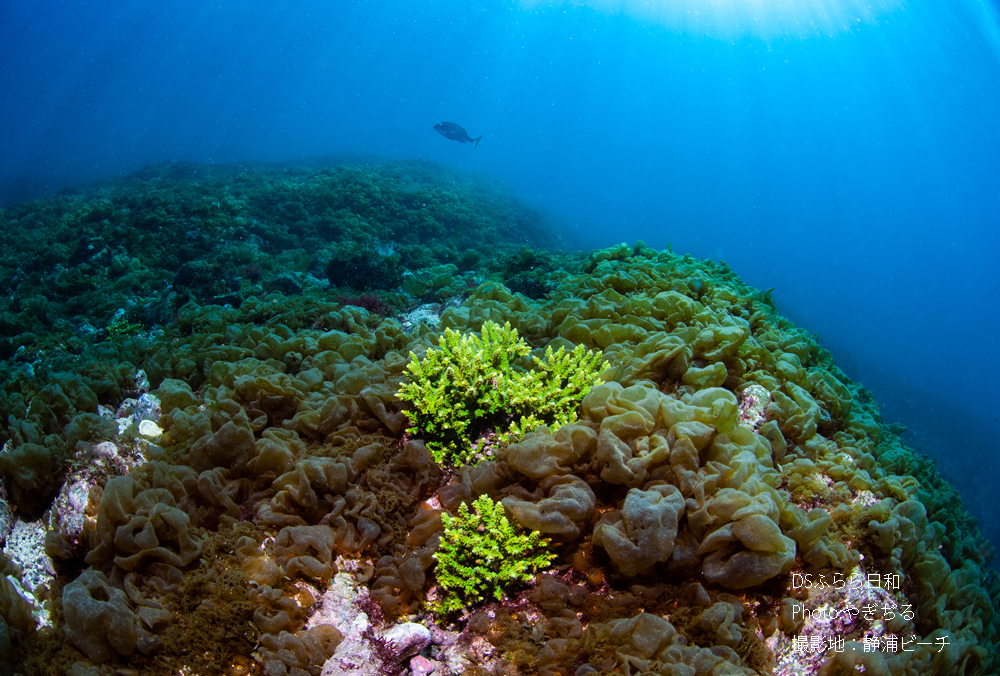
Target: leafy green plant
{"type": "Point", "coordinates": [482, 554]}
{"type": "Point", "coordinates": [121, 327]}
{"type": "Point", "coordinates": [469, 387]}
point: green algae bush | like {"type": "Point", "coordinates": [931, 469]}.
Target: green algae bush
{"type": "Point", "coordinates": [202, 482]}
{"type": "Point", "coordinates": [482, 554]}
{"type": "Point", "coordinates": [469, 385]}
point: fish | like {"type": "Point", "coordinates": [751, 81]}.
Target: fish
{"type": "Point", "coordinates": [452, 131]}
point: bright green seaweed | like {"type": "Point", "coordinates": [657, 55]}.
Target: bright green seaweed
{"type": "Point", "coordinates": [469, 387]}
{"type": "Point", "coordinates": [482, 554]}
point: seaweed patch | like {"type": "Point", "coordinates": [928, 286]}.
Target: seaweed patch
{"type": "Point", "coordinates": [636, 468]}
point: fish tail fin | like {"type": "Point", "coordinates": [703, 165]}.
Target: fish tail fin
{"type": "Point", "coordinates": [475, 142]}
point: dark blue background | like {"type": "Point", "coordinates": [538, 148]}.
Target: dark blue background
{"type": "Point", "coordinates": [846, 154]}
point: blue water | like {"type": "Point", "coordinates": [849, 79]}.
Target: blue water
{"type": "Point", "coordinates": [847, 154]}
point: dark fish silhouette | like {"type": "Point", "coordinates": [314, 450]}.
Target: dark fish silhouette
{"type": "Point", "coordinates": [452, 131]}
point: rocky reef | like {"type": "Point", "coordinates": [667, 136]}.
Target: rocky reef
{"type": "Point", "coordinates": [222, 479]}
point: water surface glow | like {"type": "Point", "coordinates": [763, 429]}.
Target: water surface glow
{"type": "Point", "coordinates": [737, 18]}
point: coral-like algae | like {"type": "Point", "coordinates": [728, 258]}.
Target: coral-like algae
{"type": "Point", "coordinates": [470, 384]}
{"type": "Point", "coordinates": [482, 554]}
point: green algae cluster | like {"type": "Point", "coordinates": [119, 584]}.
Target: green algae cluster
{"type": "Point", "coordinates": [481, 554]}
{"type": "Point", "coordinates": [678, 531]}
{"type": "Point", "coordinates": [468, 388]}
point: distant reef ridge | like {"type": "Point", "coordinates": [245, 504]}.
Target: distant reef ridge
{"type": "Point", "coordinates": [605, 462]}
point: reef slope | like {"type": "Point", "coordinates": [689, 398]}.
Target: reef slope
{"type": "Point", "coordinates": [204, 449]}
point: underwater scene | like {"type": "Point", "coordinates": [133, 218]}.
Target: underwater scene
{"type": "Point", "coordinates": [541, 338]}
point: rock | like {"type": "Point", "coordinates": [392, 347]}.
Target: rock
{"type": "Point", "coordinates": [422, 666]}
{"type": "Point", "coordinates": [67, 514]}
{"type": "Point", "coordinates": [367, 652]}
{"type": "Point", "coordinates": [354, 657]}
{"type": "Point", "coordinates": [364, 650]}
{"type": "Point", "coordinates": [457, 656]}
{"type": "Point", "coordinates": [147, 407]}
{"type": "Point", "coordinates": [6, 515]}
{"type": "Point", "coordinates": [441, 636]}
{"type": "Point", "coordinates": [148, 428]}
{"type": "Point", "coordinates": [427, 315]}
{"type": "Point", "coordinates": [408, 639]}
{"type": "Point", "coordinates": [25, 546]}
{"type": "Point", "coordinates": [339, 607]}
